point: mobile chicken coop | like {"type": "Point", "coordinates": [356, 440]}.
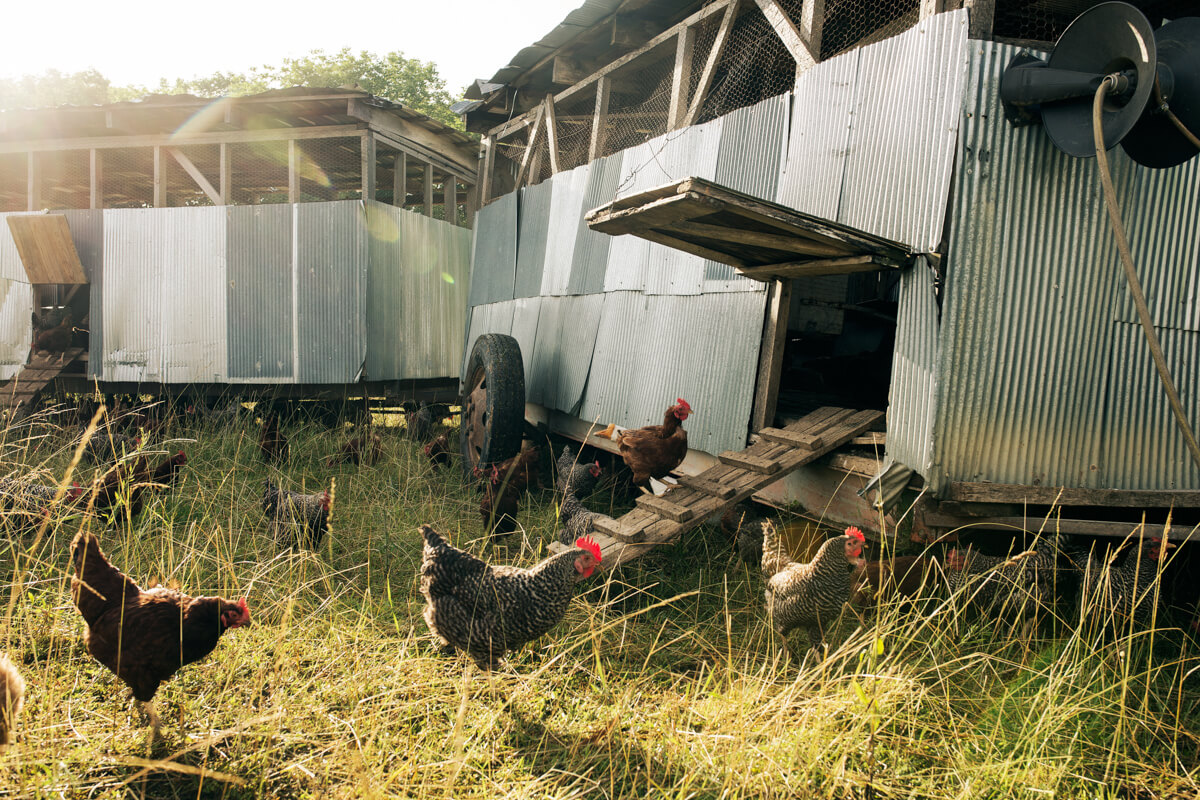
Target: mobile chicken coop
{"type": "Point", "coordinates": [303, 242]}
{"type": "Point", "coordinates": [866, 231]}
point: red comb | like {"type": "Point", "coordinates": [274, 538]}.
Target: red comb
{"type": "Point", "coordinates": [245, 608]}
{"type": "Point", "coordinates": [684, 403]}
{"type": "Point", "coordinates": [589, 544]}
{"type": "Point", "coordinates": [855, 533]}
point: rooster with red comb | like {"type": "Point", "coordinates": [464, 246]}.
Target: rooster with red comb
{"type": "Point", "coordinates": [809, 596]}
{"type": "Point", "coordinates": [655, 450]}
{"type": "Point", "coordinates": [486, 610]}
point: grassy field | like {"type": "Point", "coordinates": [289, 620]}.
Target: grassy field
{"type": "Point", "coordinates": [662, 681]}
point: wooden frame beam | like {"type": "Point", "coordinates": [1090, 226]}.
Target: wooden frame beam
{"type": "Point", "coordinates": [226, 177]}
{"type": "Point", "coordinates": [419, 141]}
{"type": "Point", "coordinates": [931, 7]}
{"type": "Point", "coordinates": [95, 182]}
{"type": "Point", "coordinates": [33, 180]}
{"type": "Point", "coordinates": [196, 175]}
{"type": "Point", "coordinates": [530, 146]}
{"type": "Point", "coordinates": [710, 66]}
{"type": "Point", "coordinates": [450, 200]}
{"type": "Point", "coordinates": [400, 179]}
{"type": "Point", "coordinates": [489, 164]}
{"type": "Point", "coordinates": [789, 34]}
{"type": "Point", "coordinates": [812, 25]}
{"type": "Point", "coordinates": [599, 138]}
{"type": "Point", "coordinates": [428, 199]}
{"type": "Point", "coordinates": [294, 156]}
{"type": "Point", "coordinates": [681, 79]}
{"type": "Point", "coordinates": [161, 140]}
{"type": "Point", "coordinates": [368, 165]}
{"type": "Point", "coordinates": [160, 178]}
{"type": "Point", "coordinates": [980, 18]}
{"type": "Point", "coordinates": [770, 358]}
{"type": "Point", "coordinates": [552, 134]}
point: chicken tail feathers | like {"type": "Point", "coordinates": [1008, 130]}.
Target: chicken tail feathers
{"type": "Point", "coordinates": [774, 556]}
{"type": "Point", "coordinates": [97, 583]}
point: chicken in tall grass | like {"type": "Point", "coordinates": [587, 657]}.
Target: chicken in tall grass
{"type": "Point", "coordinates": [12, 697]}
{"type": "Point", "coordinates": [295, 519]}
{"type": "Point", "coordinates": [1124, 596]}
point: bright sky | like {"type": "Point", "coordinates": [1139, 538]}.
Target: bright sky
{"type": "Point", "coordinates": [140, 41]}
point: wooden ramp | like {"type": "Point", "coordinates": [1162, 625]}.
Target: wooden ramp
{"type": "Point", "coordinates": [34, 376]}
{"type": "Point", "coordinates": [778, 451]}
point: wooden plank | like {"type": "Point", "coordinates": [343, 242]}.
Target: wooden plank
{"type": "Point", "coordinates": [710, 65]}
{"type": "Point", "coordinates": [226, 169]}
{"type": "Point", "coordinates": [750, 463]}
{"type": "Point", "coordinates": [774, 241]}
{"type": "Point", "coordinates": [427, 198]}
{"type": "Point", "coordinates": [931, 7]}
{"type": "Point", "coordinates": [980, 16]}
{"type": "Point", "coordinates": [450, 200]}
{"type": "Point", "coordinates": [672, 511]}
{"type": "Point", "coordinates": [1082, 527]}
{"type": "Point", "coordinates": [431, 145]}
{"type": "Point", "coordinates": [95, 173]}
{"type": "Point", "coordinates": [400, 179]}
{"type": "Point", "coordinates": [530, 146]}
{"type": "Point", "coordinates": [654, 214]}
{"type": "Point", "coordinates": [566, 71]}
{"type": "Point", "coordinates": [972, 492]}
{"type": "Point", "coordinates": [368, 152]}
{"type": "Point", "coordinates": [599, 139]}
{"type": "Point", "coordinates": [824, 266]}
{"type": "Point", "coordinates": [196, 175]}
{"type": "Point", "coordinates": [159, 199]}
{"type": "Point", "coordinates": [616, 529]}
{"type": "Point", "coordinates": [789, 35]}
{"type": "Point", "coordinates": [489, 164]}
{"type": "Point", "coordinates": [770, 362]}
{"type": "Point", "coordinates": [857, 465]}
{"type": "Point", "coordinates": [870, 439]}
{"type": "Point", "coordinates": [552, 134]}
{"type": "Point", "coordinates": [681, 78]}
{"type": "Point", "coordinates": [658, 237]}
{"type": "Point", "coordinates": [46, 249]}
{"type": "Point", "coordinates": [163, 140]}
{"type": "Point", "coordinates": [812, 24]}
{"type": "Point", "coordinates": [294, 156]}
{"type": "Point", "coordinates": [717, 490]}
{"type": "Point", "coordinates": [800, 440]}
{"type": "Point", "coordinates": [33, 180]}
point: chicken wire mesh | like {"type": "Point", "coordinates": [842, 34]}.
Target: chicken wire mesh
{"type": "Point", "coordinates": [1043, 21]}
{"type": "Point", "coordinates": [64, 179]}
{"type": "Point", "coordinates": [260, 171]}
{"type": "Point", "coordinates": [127, 177]}
{"type": "Point", "coordinates": [330, 169]}
{"type": "Point", "coordinates": [181, 188]}
{"type": "Point", "coordinates": [854, 23]}
{"type": "Point", "coordinates": [14, 169]}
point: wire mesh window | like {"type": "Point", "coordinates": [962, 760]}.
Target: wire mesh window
{"type": "Point", "coordinates": [330, 169]}
{"type": "Point", "coordinates": [753, 66]}
{"type": "Point", "coordinates": [1043, 21]}
{"type": "Point", "coordinates": [854, 23]}
{"type": "Point", "coordinates": [182, 189]}
{"type": "Point", "coordinates": [64, 179]}
{"type": "Point", "coordinates": [259, 173]}
{"type": "Point", "coordinates": [127, 177]}
{"type": "Point", "coordinates": [14, 172]}
{"type": "Point", "coordinates": [385, 174]}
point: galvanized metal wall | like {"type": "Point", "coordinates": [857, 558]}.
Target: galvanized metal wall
{"type": "Point", "coordinates": [874, 131]}
{"type": "Point", "coordinates": [494, 252]}
{"type": "Point", "coordinates": [87, 232]}
{"type": "Point", "coordinates": [16, 306]}
{"type": "Point", "coordinates": [330, 273]}
{"type": "Point", "coordinates": [259, 295]}
{"type": "Point", "coordinates": [912, 402]}
{"type": "Point", "coordinates": [416, 294]}
{"type": "Point", "coordinates": [1043, 380]}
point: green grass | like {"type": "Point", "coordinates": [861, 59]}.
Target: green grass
{"type": "Point", "coordinates": [662, 680]}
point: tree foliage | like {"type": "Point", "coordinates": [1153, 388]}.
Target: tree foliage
{"type": "Point", "coordinates": [414, 83]}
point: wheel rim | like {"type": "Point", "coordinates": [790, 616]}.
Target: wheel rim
{"type": "Point", "coordinates": [476, 416]}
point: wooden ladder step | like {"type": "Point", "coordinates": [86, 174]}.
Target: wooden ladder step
{"type": "Point", "coordinates": [672, 511]}
{"type": "Point", "coordinates": [718, 490]}
{"type": "Point", "coordinates": [615, 529]}
{"type": "Point", "coordinates": [763, 466]}
{"type": "Point", "coordinates": [801, 440]}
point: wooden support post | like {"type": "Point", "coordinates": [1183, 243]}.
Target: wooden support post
{"type": "Point", "coordinates": [450, 199]}
{"type": "Point", "coordinates": [530, 146]}
{"type": "Point", "coordinates": [471, 204]}
{"type": "Point", "coordinates": [489, 164]}
{"type": "Point", "coordinates": [226, 177]}
{"type": "Point", "coordinates": [770, 359]}
{"type": "Point", "coordinates": [681, 79]}
{"type": "Point", "coordinates": [428, 189]}
{"type": "Point", "coordinates": [600, 120]}
{"type": "Point", "coordinates": [552, 134]}
{"type": "Point", "coordinates": [196, 175]}
{"type": "Point", "coordinates": [294, 155]}
{"type": "Point", "coordinates": [710, 66]}
{"type": "Point", "coordinates": [400, 180]}
{"type": "Point", "coordinates": [160, 179]}
{"type": "Point", "coordinates": [95, 191]}
{"type": "Point", "coordinates": [931, 7]}
{"type": "Point", "coordinates": [787, 32]}
{"type": "Point", "coordinates": [812, 23]}
{"type": "Point", "coordinates": [980, 17]}
{"type": "Point", "coordinates": [368, 165]}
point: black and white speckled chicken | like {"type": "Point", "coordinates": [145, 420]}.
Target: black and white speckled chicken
{"type": "Point", "coordinates": [576, 520]}
{"type": "Point", "coordinates": [296, 519]}
{"type": "Point", "coordinates": [575, 476]}
{"type": "Point", "coordinates": [487, 610]}
{"type": "Point", "coordinates": [32, 498]}
{"type": "Point", "coordinates": [12, 697]}
{"type": "Point", "coordinates": [809, 596]}
{"type": "Point", "coordinates": [746, 529]}
{"type": "Point", "coordinates": [1126, 592]}
{"type": "Point", "coordinates": [1012, 589]}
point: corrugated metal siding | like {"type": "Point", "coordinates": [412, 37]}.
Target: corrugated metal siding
{"type": "Point", "coordinates": [259, 297]}
{"type": "Point", "coordinates": [1033, 287]}
{"type": "Point", "coordinates": [702, 348]}
{"type": "Point", "coordinates": [16, 306]}
{"type": "Point", "coordinates": [526, 314]}
{"type": "Point", "coordinates": [565, 213]}
{"type": "Point", "coordinates": [132, 300]}
{"type": "Point", "coordinates": [331, 278]}
{"type": "Point", "coordinates": [534, 206]}
{"type": "Point", "coordinates": [874, 132]}
{"type": "Point", "coordinates": [192, 274]}
{"type": "Point", "coordinates": [1143, 440]}
{"type": "Point", "coordinates": [911, 405]}
{"type": "Point", "coordinates": [494, 253]}
{"type": "Point", "coordinates": [87, 232]}
{"type": "Point", "coordinates": [562, 353]}
{"type": "Point", "coordinates": [492, 318]}
{"type": "Point", "coordinates": [590, 259]}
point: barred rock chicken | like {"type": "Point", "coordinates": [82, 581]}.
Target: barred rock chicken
{"type": "Point", "coordinates": [107, 446]}
{"type": "Point", "coordinates": [361, 449]}
{"type": "Point", "coordinates": [273, 443]}
{"type": "Point", "coordinates": [1125, 593]}
{"type": "Point", "coordinates": [500, 503]}
{"type": "Point", "coordinates": [575, 476]}
{"type": "Point", "coordinates": [296, 519]}
{"type": "Point", "coordinates": [438, 451]}
{"type": "Point", "coordinates": [1012, 589]}
{"type": "Point", "coordinates": [420, 422]}
{"type": "Point", "coordinates": [28, 498]}
{"type": "Point", "coordinates": [900, 576]}
{"type": "Point", "coordinates": [487, 610]}
{"type": "Point", "coordinates": [655, 450]}
{"type": "Point", "coordinates": [811, 595]}
{"type": "Point", "coordinates": [144, 636]}
{"type": "Point", "coordinates": [575, 519]}
{"type": "Point", "coordinates": [12, 697]}
{"type": "Point", "coordinates": [740, 523]}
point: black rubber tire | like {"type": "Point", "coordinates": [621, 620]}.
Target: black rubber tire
{"type": "Point", "coordinates": [493, 402]}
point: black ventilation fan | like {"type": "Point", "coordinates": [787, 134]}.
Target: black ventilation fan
{"type": "Point", "coordinates": [1106, 39]}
